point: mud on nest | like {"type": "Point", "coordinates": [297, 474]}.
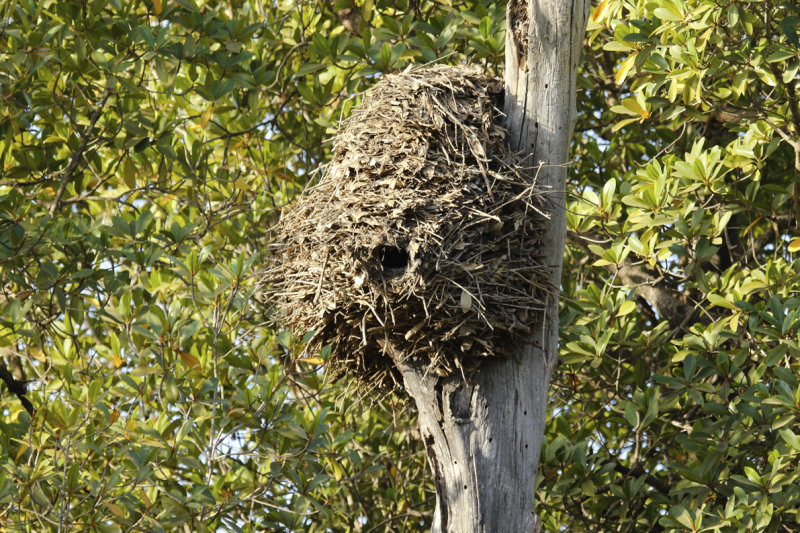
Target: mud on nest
{"type": "Point", "coordinates": [420, 241]}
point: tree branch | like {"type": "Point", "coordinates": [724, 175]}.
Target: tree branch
{"type": "Point", "coordinates": [18, 387]}
{"type": "Point", "coordinates": [648, 286]}
{"type": "Point", "coordinates": [780, 223]}
{"type": "Point", "coordinates": [76, 157]}
{"type": "Point", "coordinates": [650, 479]}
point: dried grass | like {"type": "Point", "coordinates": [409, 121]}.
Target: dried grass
{"type": "Point", "coordinates": [421, 239]}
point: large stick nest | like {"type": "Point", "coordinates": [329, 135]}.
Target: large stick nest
{"type": "Point", "coordinates": [420, 241]}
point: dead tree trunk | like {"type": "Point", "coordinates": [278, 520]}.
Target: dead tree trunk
{"type": "Point", "coordinates": [483, 438]}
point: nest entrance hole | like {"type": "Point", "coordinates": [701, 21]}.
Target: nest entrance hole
{"type": "Point", "coordinates": [393, 260]}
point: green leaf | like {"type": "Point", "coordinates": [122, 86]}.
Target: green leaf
{"type": "Point", "coordinates": [781, 55]}
{"type": "Point", "coordinates": [682, 517]}
{"type": "Point", "coordinates": [719, 301]}
{"type": "Point", "coordinates": [309, 68]}
{"type": "Point", "coordinates": [129, 173]}
{"type": "Point", "coordinates": [386, 55]}
{"type": "Point", "coordinates": [627, 307]}
{"type": "Point", "coordinates": [220, 88]}
{"type": "Point", "coordinates": [790, 438]}
{"type": "Point", "coordinates": [485, 27]}
{"type": "Point", "coordinates": [631, 416]}
{"type": "Point", "coordinates": [624, 68]}
{"type": "Point", "coordinates": [789, 27]}
{"type": "Point", "coordinates": [669, 13]}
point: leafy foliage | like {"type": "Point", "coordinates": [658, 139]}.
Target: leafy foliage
{"type": "Point", "coordinates": [676, 406]}
{"type": "Point", "coordinates": [146, 148]}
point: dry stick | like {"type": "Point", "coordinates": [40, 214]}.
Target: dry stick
{"type": "Point", "coordinates": [76, 157]}
{"type": "Point", "coordinates": [322, 275]}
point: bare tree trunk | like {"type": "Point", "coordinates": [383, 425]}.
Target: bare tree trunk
{"type": "Point", "coordinates": [483, 437]}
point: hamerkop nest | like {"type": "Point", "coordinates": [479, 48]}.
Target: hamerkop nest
{"type": "Point", "coordinates": [420, 241]}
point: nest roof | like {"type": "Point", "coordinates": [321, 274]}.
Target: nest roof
{"type": "Point", "coordinates": [420, 241]}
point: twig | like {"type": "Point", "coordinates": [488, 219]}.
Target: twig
{"type": "Point", "coordinates": [19, 388]}
{"type": "Point", "coordinates": [76, 157]}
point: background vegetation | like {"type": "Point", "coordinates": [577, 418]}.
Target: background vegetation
{"type": "Point", "coordinates": [146, 148]}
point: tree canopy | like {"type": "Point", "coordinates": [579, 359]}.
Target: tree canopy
{"type": "Point", "coordinates": [146, 149]}
{"type": "Point", "coordinates": [676, 404]}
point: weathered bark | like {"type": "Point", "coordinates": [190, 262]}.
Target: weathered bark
{"type": "Point", "coordinates": [483, 437]}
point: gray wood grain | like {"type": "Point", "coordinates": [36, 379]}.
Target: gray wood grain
{"type": "Point", "coordinates": [483, 436]}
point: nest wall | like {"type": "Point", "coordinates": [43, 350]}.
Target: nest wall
{"type": "Point", "coordinates": [421, 240]}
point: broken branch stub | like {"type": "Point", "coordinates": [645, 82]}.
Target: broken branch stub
{"type": "Point", "coordinates": [420, 241]}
